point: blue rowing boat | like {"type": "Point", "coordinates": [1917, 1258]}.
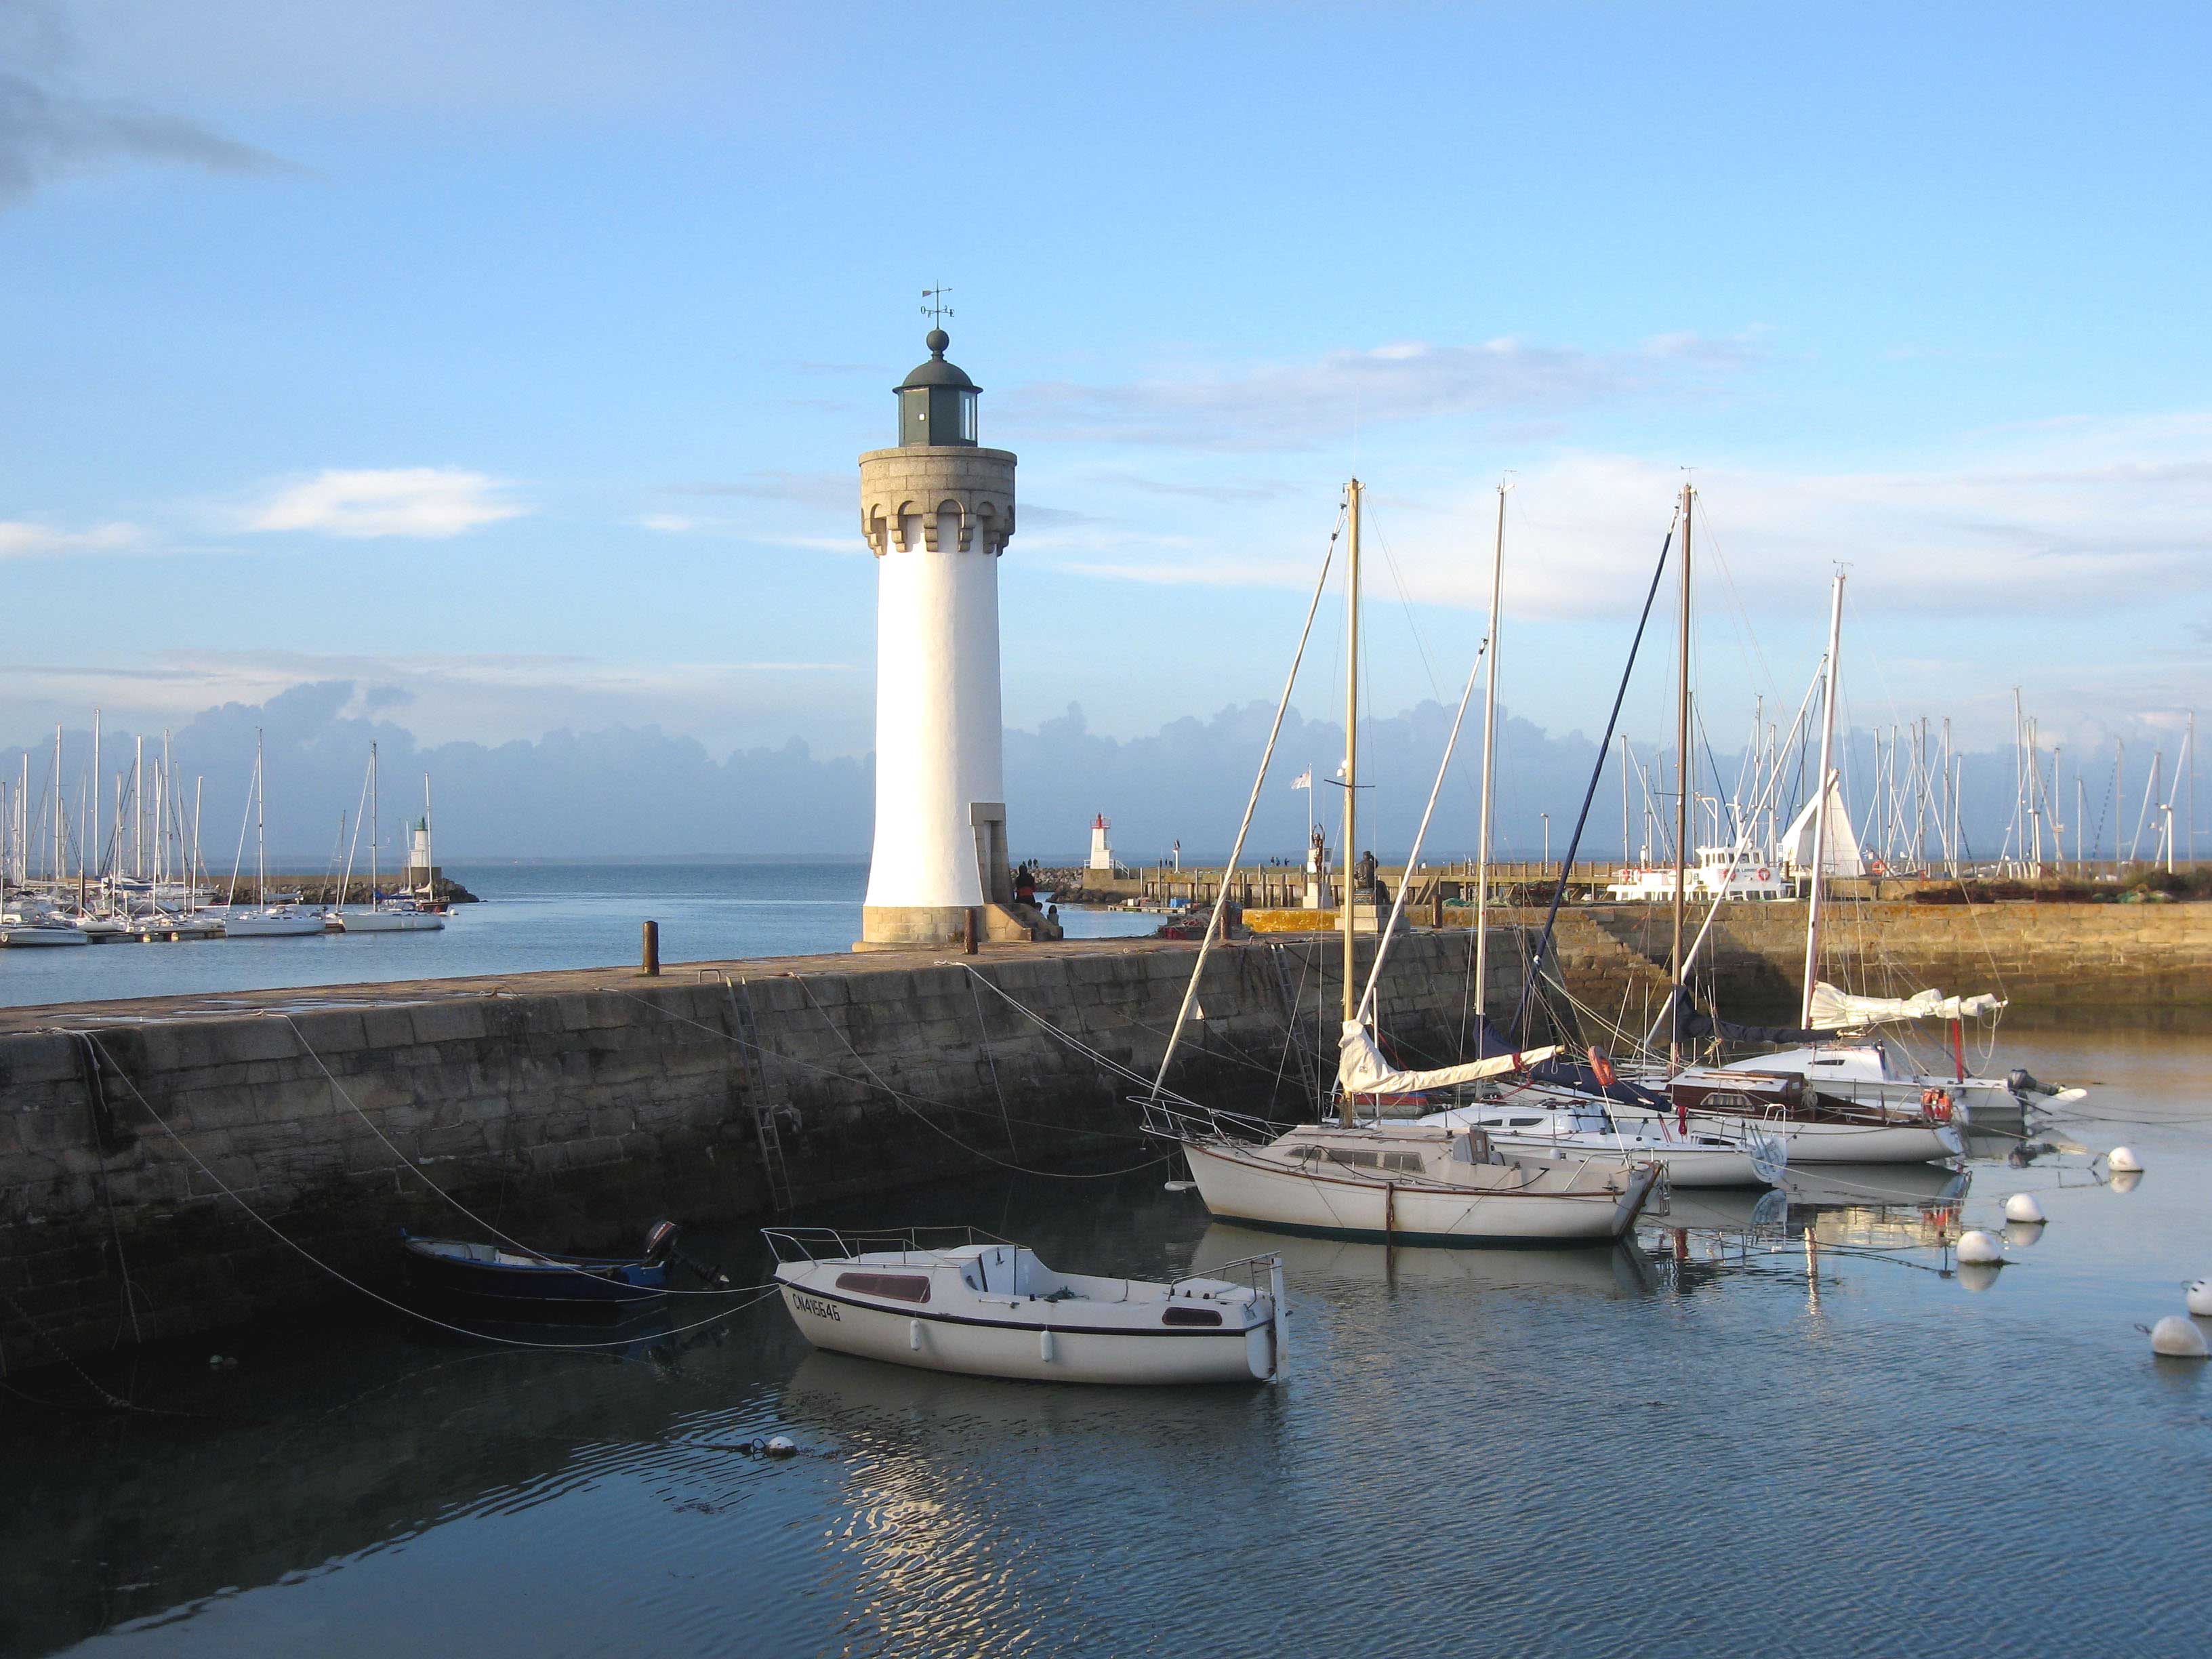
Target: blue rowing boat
{"type": "Point", "coordinates": [509, 1274]}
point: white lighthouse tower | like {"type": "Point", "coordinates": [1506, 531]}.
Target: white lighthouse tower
{"type": "Point", "coordinates": [937, 512]}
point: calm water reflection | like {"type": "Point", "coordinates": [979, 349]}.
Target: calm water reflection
{"type": "Point", "coordinates": [1686, 1448]}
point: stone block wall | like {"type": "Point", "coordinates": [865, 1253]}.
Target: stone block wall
{"type": "Point", "coordinates": [2035, 954]}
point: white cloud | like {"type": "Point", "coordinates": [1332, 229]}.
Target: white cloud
{"type": "Point", "coordinates": [2040, 521]}
{"type": "Point", "coordinates": [19, 539]}
{"type": "Point", "coordinates": [669, 524]}
{"type": "Point", "coordinates": [423, 501]}
{"type": "Point", "coordinates": [1276, 406]}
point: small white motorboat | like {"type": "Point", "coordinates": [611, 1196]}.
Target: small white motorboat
{"type": "Point", "coordinates": [985, 1306]}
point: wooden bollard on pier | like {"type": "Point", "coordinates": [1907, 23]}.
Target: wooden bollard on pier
{"type": "Point", "coordinates": [651, 965]}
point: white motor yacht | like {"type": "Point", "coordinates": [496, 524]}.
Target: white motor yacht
{"type": "Point", "coordinates": [1868, 1069]}
{"type": "Point", "coordinates": [23, 930]}
{"type": "Point", "coordinates": [985, 1306]}
{"type": "Point", "coordinates": [1820, 1127]}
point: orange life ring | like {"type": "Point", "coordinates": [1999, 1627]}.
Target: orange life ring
{"type": "Point", "coordinates": [1936, 1103]}
{"type": "Point", "coordinates": [1765, 874]}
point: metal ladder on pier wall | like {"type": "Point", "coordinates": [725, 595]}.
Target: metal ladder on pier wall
{"type": "Point", "coordinates": [753, 1081]}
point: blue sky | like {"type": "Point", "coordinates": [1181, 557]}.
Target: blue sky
{"type": "Point", "coordinates": [510, 361]}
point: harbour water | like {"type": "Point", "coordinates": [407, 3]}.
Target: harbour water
{"type": "Point", "coordinates": [534, 917]}
{"type": "Point", "coordinates": [1696, 1446]}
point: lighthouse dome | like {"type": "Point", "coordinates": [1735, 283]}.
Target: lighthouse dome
{"type": "Point", "coordinates": [937, 401]}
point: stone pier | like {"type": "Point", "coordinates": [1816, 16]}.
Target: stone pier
{"type": "Point", "coordinates": [227, 1156]}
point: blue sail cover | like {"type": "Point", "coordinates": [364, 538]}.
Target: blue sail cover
{"type": "Point", "coordinates": [1568, 1074]}
{"type": "Point", "coordinates": [1690, 1026]}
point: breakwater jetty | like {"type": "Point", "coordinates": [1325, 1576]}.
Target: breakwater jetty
{"type": "Point", "coordinates": [173, 1165]}
{"type": "Point", "coordinates": [2035, 954]}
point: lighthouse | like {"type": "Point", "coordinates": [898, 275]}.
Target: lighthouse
{"type": "Point", "coordinates": [937, 512]}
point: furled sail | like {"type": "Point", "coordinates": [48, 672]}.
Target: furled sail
{"type": "Point", "coordinates": [1832, 1008]}
{"type": "Point", "coordinates": [1362, 1070]}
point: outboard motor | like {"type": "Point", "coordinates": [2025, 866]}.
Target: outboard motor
{"type": "Point", "coordinates": [659, 1242]}
{"type": "Point", "coordinates": [2020, 1083]}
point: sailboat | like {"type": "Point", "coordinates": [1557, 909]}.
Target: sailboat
{"type": "Point", "coordinates": [34, 920]}
{"type": "Point", "coordinates": [1381, 1182]}
{"type": "Point", "coordinates": [383, 915]}
{"type": "Point", "coordinates": [1784, 1092]}
{"type": "Point", "coordinates": [265, 921]}
{"type": "Point", "coordinates": [1552, 1113]}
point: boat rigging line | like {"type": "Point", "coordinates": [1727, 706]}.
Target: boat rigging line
{"type": "Point", "coordinates": [301, 1250]}
{"type": "Point", "coordinates": [1251, 806]}
{"type": "Point", "coordinates": [1581, 819]}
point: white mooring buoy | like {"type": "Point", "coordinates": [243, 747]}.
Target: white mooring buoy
{"type": "Point", "coordinates": [1980, 1248]}
{"type": "Point", "coordinates": [780, 1445]}
{"type": "Point", "coordinates": [2023, 1206]}
{"type": "Point", "coordinates": [2198, 1295]}
{"type": "Point", "coordinates": [2176, 1338]}
{"type": "Point", "coordinates": [1180, 1186]}
{"type": "Point", "coordinates": [2124, 1159]}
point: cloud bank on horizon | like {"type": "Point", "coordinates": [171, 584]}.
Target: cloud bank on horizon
{"type": "Point", "coordinates": [640, 791]}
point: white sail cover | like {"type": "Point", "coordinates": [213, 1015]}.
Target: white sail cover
{"type": "Point", "coordinates": [1361, 1069]}
{"type": "Point", "coordinates": [1833, 1008]}
{"type": "Point", "coordinates": [1844, 857]}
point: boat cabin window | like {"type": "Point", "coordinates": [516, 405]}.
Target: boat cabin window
{"type": "Point", "coordinates": [1827, 1062]}
{"type": "Point", "coordinates": [1191, 1316]}
{"type": "Point", "coordinates": [1723, 1101]}
{"type": "Point", "coordinates": [1524, 1123]}
{"type": "Point", "coordinates": [1360, 1159]}
{"type": "Point", "coordinates": [900, 1287]}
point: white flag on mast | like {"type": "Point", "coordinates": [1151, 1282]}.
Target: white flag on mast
{"type": "Point", "coordinates": [1303, 780]}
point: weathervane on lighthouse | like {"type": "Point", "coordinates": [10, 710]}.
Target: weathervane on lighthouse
{"type": "Point", "coordinates": [938, 512]}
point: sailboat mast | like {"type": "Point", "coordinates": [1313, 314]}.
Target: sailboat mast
{"type": "Point", "coordinates": [1820, 801]}
{"type": "Point", "coordinates": [375, 827]}
{"type": "Point", "coordinates": [1488, 762]}
{"type": "Point", "coordinates": [92, 827]}
{"type": "Point", "coordinates": [260, 829]}
{"type": "Point", "coordinates": [1344, 1114]}
{"type": "Point", "coordinates": [1681, 793]}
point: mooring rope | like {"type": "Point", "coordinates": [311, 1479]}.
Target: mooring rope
{"type": "Point", "coordinates": [846, 1077]}
{"type": "Point", "coordinates": [294, 1245]}
{"type": "Point", "coordinates": [423, 1175]}
{"type": "Point", "coordinates": [973, 1152]}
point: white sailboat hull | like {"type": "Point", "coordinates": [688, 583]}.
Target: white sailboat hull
{"type": "Point", "coordinates": [1850, 1143]}
{"type": "Point", "coordinates": [389, 921]}
{"type": "Point", "coordinates": [257, 924]}
{"type": "Point", "coordinates": [1685, 1166]}
{"type": "Point", "coordinates": [1249, 1189]}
